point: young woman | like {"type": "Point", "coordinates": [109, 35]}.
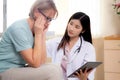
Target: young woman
{"type": "Point", "coordinates": [75, 47]}
{"type": "Point", "coordinates": [24, 43]}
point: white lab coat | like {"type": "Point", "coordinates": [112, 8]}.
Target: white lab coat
{"type": "Point", "coordinates": [87, 53]}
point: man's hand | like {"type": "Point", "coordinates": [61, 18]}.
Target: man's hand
{"type": "Point", "coordinates": [39, 25]}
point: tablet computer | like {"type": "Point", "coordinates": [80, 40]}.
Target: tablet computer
{"type": "Point", "coordinates": [88, 65]}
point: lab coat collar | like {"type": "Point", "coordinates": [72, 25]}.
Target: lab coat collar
{"type": "Point", "coordinates": [79, 42]}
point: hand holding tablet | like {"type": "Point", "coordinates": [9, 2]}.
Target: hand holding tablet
{"type": "Point", "coordinates": [89, 66]}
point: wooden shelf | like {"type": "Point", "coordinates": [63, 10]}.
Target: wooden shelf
{"type": "Point", "coordinates": [112, 37]}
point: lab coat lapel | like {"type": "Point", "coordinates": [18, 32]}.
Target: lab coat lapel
{"type": "Point", "coordinates": [73, 51]}
{"type": "Point", "coordinates": [75, 47]}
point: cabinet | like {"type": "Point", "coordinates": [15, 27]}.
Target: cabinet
{"type": "Point", "coordinates": [112, 58]}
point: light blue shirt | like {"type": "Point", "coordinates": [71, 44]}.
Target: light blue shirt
{"type": "Point", "coordinates": [16, 38]}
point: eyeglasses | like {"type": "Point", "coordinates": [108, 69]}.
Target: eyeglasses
{"type": "Point", "coordinates": [47, 18]}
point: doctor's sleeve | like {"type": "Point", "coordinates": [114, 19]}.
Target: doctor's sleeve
{"type": "Point", "coordinates": [91, 56]}
{"type": "Point", "coordinates": [90, 53]}
{"type": "Point", "coordinates": [49, 48]}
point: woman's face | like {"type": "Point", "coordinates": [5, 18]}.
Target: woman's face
{"type": "Point", "coordinates": [74, 28]}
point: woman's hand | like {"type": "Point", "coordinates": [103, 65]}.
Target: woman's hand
{"type": "Point", "coordinates": [83, 75]}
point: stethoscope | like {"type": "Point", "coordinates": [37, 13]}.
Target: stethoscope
{"type": "Point", "coordinates": [75, 53]}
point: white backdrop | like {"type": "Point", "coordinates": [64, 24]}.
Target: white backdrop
{"type": "Point", "coordinates": [1, 16]}
{"type": "Point", "coordinates": [20, 9]}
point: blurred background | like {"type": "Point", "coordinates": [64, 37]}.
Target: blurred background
{"type": "Point", "coordinates": [104, 22]}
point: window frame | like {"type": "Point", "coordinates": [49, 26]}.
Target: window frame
{"type": "Point", "coordinates": [4, 16]}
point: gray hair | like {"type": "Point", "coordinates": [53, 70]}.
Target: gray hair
{"type": "Point", "coordinates": [43, 5]}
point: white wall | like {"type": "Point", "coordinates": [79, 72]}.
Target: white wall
{"type": "Point", "coordinates": [1, 16]}
{"type": "Point", "coordinates": [17, 9]}
{"type": "Point", "coordinates": [20, 9]}
{"type": "Point", "coordinates": [103, 22]}
{"type": "Point", "coordinates": [110, 21]}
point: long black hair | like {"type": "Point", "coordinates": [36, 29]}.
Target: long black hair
{"type": "Point", "coordinates": [85, 22]}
